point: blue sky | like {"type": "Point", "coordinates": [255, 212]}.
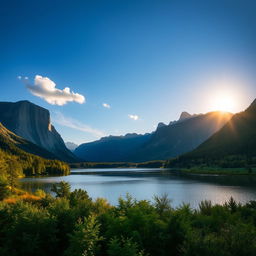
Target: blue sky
{"type": "Point", "coordinates": [150, 59]}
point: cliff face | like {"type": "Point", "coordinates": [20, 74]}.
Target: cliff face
{"type": "Point", "coordinates": [33, 123]}
{"type": "Point", "coordinates": [9, 140]}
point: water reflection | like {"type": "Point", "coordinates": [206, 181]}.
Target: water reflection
{"type": "Point", "coordinates": [145, 183]}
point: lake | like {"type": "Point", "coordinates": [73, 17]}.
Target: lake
{"type": "Point", "coordinates": [145, 183]}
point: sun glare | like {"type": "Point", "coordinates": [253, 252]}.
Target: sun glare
{"type": "Point", "coordinates": [225, 103]}
{"type": "Point", "coordinates": [225, 94]}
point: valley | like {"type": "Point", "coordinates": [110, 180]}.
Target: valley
{"type": "Point", "coordinates": [128, 128]}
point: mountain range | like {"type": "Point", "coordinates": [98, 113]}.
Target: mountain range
{"type": "Point", "coordinates": [208, 139]}
{"type": "Point", "coordinates": [112, 148]}
{"type": "Point", "coordinates": [167, 141]}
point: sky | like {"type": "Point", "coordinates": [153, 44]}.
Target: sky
{"type": "Point", "coordinates": [117, 67]}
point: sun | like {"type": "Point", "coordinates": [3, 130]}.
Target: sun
{"type": "Point", "coordinates": [224, 103]}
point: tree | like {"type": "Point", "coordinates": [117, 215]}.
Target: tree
{"type": "Point", "coordinates": [61, 189]}
{"type": "Point", "coordinates": [84, 240]}
{"type": "Point", "coordinates": [162, 203]}
{"type": "Point", "coordinates": [4, 190]}
{"type": "Point", "coordinates": [124, 247]}
{"type": "Point", "coordinates": [14, 172]}
{"type": "Point", "coordinates": [77, 196]}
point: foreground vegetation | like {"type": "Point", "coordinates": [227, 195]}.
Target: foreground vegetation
{"type": "Point", "coordinates": [72, 224]}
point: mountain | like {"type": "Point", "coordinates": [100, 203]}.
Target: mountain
{"type": "Point", "coordinates": [184, 115]}
{"type": "Point", "coordinates": [234, 143]}
{"type": "Point", "coordinates": [112, 148]}
{"type": "Point", "coordinates": [71, 146]}
{"type": "Point", "coordinates": [14, 159]}
{"type": "Point", "coordinates": [32, 123]}
{"type": "Point", "coordinates": [23, 144]}
{"type": "Point", "coordinates": [167, 141]}
{"type": "Point", "coordinates": [181, 137]}
{"type": "Point", "coordinates": [160, 125]}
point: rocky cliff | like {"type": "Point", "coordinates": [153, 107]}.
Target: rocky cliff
{"type": "Point", "coordinates": [32, 122]}
{"type": "Point", "coordinates": [7, 137]}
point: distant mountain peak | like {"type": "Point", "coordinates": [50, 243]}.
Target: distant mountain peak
{"type": "Point", "coordinates": [161, 124]}
{"type": "Point", "coordinates": [130, 135]}
{"type": "Point", "coordinates": [71, 145]}
{"type": "Point", "coordinates": [184, 115]}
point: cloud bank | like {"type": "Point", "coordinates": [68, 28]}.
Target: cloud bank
{"type": "Point", "coordinates": [105, 105]}
{"type": "Point", "coordinates": [60, 119]}
{"type": "Point", "coordinates": [134, 117]}
{"type": "Point", "coordinates": [46, 89]}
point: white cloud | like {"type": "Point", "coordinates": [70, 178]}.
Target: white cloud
{"type": "Point", "coordinates": [134, 117]}
{"type": "Point", "coordinates": [24, 78]}
{"type": "Point", "coordinates": [60, 119]}
{"type": "Point", "coordinates": [105, 105]}
{"type": "Point", "coordinates": [46, 89]}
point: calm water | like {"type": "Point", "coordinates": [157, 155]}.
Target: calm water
{"type": "Point", "coordinates": [145, 183]}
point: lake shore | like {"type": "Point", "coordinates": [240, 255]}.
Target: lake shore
{"type": "Point", "coordinates": [218, 171]}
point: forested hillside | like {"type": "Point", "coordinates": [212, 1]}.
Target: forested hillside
{"type": "Point", "coordinates": [15, 162]}
{"type": "Point", "coordinates": [233, 146]}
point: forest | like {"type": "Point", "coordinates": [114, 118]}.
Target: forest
{"type": "Point", "coordinates": [230, 162]}
{"type": "Point", "coordinates": [149, 164]}
{"type": "Point", "coordinates": [70, 223]}
{"type": "Point", "coordinates": [16, 163]}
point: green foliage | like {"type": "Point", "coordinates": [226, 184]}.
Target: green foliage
{"type": "Point", "coordinates": [15, 163]}
{"type": "Point", "coordinates": [124, 247]}
{"type": "Point", "coordinates": [205, 207]}
{"type": "Point", "coordinates": [4, 189]}
{"type": "Point", "coordinates": [15, 171]}
{"type": "Point", "coordinates": [78, 196]}
{"type": "Point", "coordinates": [84, 239]}
{"type": "Point", "coordinates": [40, 193]}
{"type": "Point", "coordinates": [72, 224]}
{"type": "Point", "coordinates": [149, 164]}
{"type": "Point", "coordinates": [61, 189]}
{"type": "Point", "coordinates": [162, 203]}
